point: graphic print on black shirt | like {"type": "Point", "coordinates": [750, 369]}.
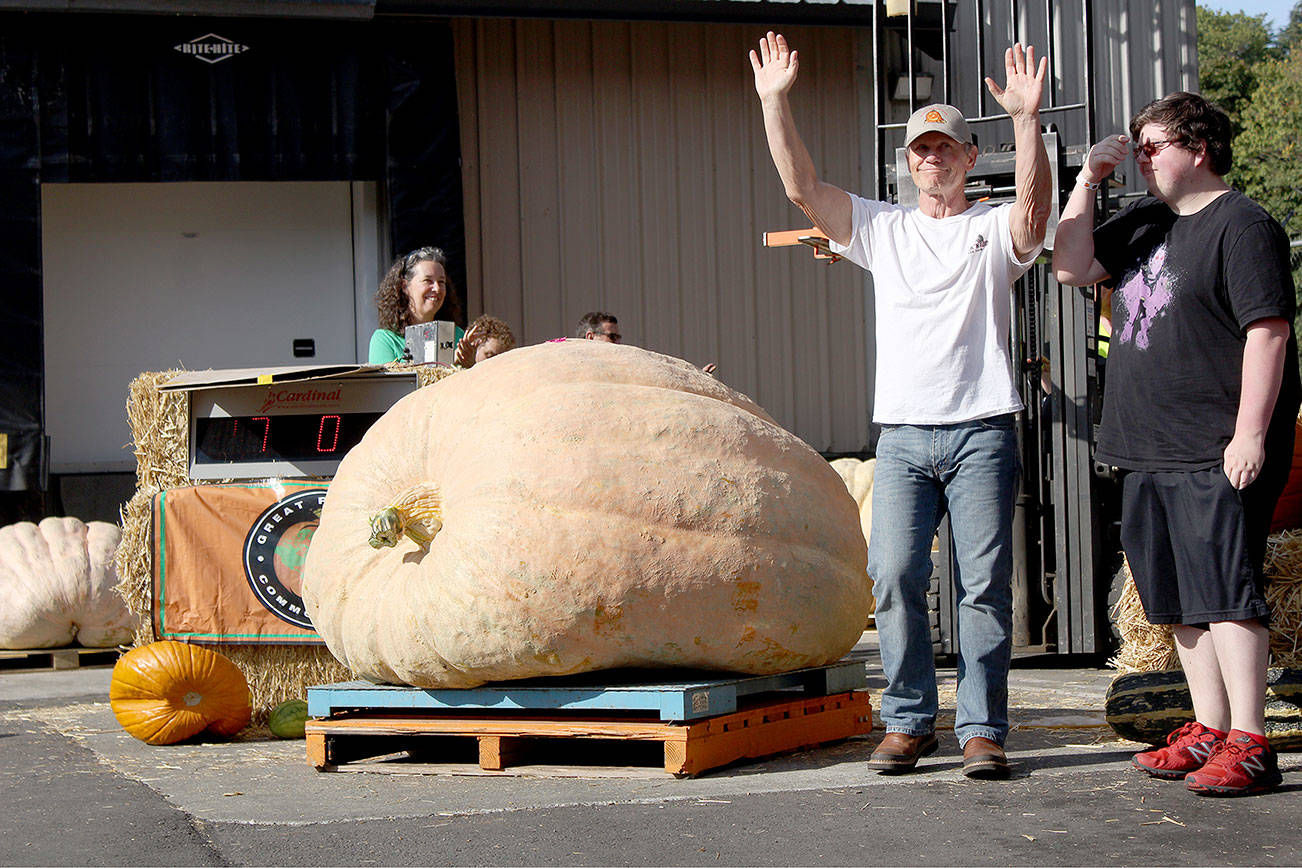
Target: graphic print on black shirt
{"type": "Point", "coordinates": [1145, 295]}
{"type": "Point", "coordinates": [1187, 288]}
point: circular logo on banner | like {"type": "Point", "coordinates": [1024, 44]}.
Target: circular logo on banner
{"type": "Point", "coordinates": [274, 552]}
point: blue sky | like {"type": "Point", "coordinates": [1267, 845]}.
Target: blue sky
{"type": "Point", "coordinates": [1276, 10]}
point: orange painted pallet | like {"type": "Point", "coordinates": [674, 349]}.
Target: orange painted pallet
{"type": "Point", "coordinates": [764, 727]}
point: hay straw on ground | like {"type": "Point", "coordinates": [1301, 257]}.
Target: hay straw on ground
{"type": "Point", "coordinates": [1145, 647]}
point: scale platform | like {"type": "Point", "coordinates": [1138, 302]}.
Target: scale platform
{"type": "Point", "coordinates": [671, 694]}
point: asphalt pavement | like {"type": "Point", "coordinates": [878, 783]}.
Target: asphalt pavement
{"type": "Point", "coordinates": [80, 791]}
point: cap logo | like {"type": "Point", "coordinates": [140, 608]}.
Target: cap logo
{"type": "Point", "coordinates": [934, 117]}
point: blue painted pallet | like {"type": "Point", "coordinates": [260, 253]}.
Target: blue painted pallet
{"type": "Point", "coordinates": [699, 695]}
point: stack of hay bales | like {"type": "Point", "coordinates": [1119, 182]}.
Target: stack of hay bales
{"type": "Point", "coordinates": [1147, 648]}
{"type": "Point", "coordinates": [160, 431]}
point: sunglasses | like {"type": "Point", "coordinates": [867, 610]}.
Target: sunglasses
{"type": "Point", "coordinates": [1148, 149]}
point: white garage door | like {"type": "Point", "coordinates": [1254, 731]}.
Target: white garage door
{"type": "Point", "coordinates": [150, 277]}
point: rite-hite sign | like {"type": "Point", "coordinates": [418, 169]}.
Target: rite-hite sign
{"type": "Point", "coordinates": [211, 48]}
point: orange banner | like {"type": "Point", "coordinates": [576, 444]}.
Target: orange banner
{"type": "Point", "coordinates": [228, 562]}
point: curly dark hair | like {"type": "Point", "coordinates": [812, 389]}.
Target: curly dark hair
{"type": "Point", "coordinates": [391, 298]}
{"type": "Point", "coordinates": [492, 327]}
{"type": "Point", "coordinates": [1192, 123]}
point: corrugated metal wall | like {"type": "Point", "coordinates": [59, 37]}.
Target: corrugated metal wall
{"type": "Point", "coordinates": [1142, 50]}
{"type": "Point", "coordinates": [623, 167]}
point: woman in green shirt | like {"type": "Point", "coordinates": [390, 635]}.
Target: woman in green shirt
{"type": "Point", "coordinates": [415, 290]}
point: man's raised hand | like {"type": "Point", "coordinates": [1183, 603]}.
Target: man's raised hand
{"type": "Point", "coordinates": [775, 65]}
{"type": "Point", "coordinates": [1025, 83]}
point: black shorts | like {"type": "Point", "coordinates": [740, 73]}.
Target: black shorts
{"type": "Point", "coordinates": [1196, 545]}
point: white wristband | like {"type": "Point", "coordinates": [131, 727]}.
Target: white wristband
{"type": "Point", "coordinates": [1088, 185]}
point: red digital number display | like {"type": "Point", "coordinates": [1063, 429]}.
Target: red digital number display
{"type": "Point", "coordinates": [295, 437]}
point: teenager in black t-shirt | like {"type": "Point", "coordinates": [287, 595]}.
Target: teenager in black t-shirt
{"type": "Point", "coordinates": [1200, 410]}
{"type": "Point", "coordinates": [1187, 289]}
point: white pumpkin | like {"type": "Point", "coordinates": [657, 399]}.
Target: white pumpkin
{"type": "Point", "coordinates": [58, 584]}
{"type": "Point", "coordinates": [858, 478]}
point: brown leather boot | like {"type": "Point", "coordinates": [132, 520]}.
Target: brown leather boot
{"type": "Point", "coordinates": [983, 758]}
{"type": "Point", "coordinates": [899, 752]}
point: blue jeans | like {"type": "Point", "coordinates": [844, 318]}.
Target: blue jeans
{"type": "Point", "coordinates": [969, 469]}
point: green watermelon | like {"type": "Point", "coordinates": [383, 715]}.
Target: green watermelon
{"type": "Point", "coordinates": [287, 719]}
{"type": "Point", "coordinates": [1147, 706]}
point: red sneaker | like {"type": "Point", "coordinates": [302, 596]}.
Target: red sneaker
{"type": "Point", "coordinates": [1187, 749]}
{"type": "Point", "coordinates": [1243, 767]}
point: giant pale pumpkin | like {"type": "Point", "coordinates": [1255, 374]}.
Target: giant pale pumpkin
{"type": "Point", "coordinates": [165, 692]}
{"type": "Point", "coordinates": [58, 584]}
{"type": "Point", "coordinates": [576, 506]}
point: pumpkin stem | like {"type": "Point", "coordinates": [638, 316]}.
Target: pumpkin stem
{"type": "Point", "coordinates": [416, 512]}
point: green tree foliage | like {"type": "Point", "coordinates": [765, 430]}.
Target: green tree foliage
{"type": "Point", "coordinates": [1231, 49]}
{"type": "Point", "coordinates": [1291, 35]}
{"type": "Point", "coordinates": [1256, 76]}
{"type": "Point", "coordinates": [1268, 153]}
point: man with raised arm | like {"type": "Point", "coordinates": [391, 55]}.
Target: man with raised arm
{"type": "Point", "coordinates": [945, 396]}
{"type": "Point", "coordinates": [1199, 412]}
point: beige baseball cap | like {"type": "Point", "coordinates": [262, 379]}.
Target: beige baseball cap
{"type": "Point", "coordinates": [938, 118]}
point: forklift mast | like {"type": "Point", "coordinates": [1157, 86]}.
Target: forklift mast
{"type": "Point", "coordinates": [1065, 523]}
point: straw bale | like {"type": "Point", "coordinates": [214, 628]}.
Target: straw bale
{"type": "Point", "coordinates": [1284, 596]}
{"type": "Point", "coordinates": [135, 560]}
{"type": "Point", "coordinates": [425, 373]}
{"type": "Point", "coordinates": [1146, 647]}
{"type": "Point", "coordinates": [160, 433]}
{"type": "Point", "coordinates": [160, 424]}
{"type": "Point", "coordinates": [275, 673]}
{"type": "Point", "coordinates": [279, 672]}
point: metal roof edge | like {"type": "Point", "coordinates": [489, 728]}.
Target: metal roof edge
{"type": "Point", "coordinates": [355, 10]}
{"type": "Point", "coordinates": [846, 12]}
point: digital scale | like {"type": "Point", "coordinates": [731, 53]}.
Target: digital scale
{"type": "Point", "coordinates": [283, 422]}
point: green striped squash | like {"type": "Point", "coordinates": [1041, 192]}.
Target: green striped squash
{"type": "Point", "coordinates": [1147, 706]}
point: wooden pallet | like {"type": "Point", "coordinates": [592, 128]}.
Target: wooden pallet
{"type": "Point", "coordinates": [764, 727]}
{"type": "Point", "coordinates": [670, 695]}
{"type": "Point", "coordinates": [58, 658]}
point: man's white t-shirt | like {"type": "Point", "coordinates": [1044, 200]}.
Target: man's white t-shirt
{"type": "Point", "coordinates": [942, 290]}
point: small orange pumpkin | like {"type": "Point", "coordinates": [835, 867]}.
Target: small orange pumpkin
{"type": "Point", "coordinates": [167, 691]}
